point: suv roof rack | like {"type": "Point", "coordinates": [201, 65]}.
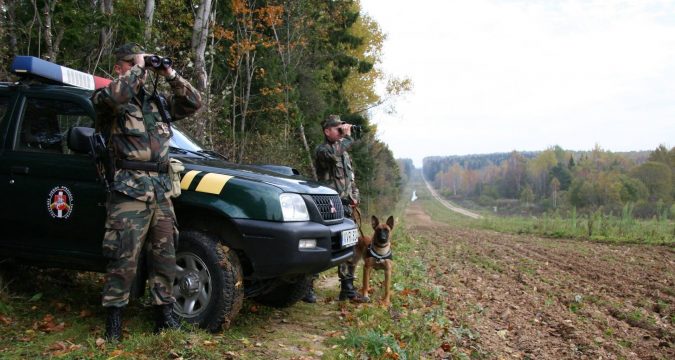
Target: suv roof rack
{"type": "Point", "coordinates": [30, 66]}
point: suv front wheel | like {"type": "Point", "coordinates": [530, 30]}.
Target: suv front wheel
{"type": "Point", "coordinates": [209, 288]}
{"type": "Point", "coordinates": [286, 292]}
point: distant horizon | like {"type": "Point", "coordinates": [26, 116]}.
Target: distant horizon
{"type": "Point", "coordinates": [533, 151]}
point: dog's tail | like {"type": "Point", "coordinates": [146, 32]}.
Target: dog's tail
{"type": "Point", "coordinates": [356, 213]}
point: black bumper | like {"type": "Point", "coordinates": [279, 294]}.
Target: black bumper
{"type": "Point", "coordinates": [272, 247]}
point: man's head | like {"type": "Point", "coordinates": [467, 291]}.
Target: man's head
{"type": "Point", "coordinates": [126, 56]}
{"type": "Point", "coordinates": [331, 128]}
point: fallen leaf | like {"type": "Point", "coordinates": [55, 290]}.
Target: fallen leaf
{"type": "Point", "coordinates": [100, 342]}
{"type": "Point", "coordinates": [209, 343]}
{"type": "Point", "coordinates": [446, 347]}
{"type": "Point", "coordinates": [173, 355]}
{"type": "Point", "coordinates": [116, 353]}
{"type": "Point", "coordinates": [5, 320]}
{"type": "Point", "coordinates": [502, 334]}
{"type": "Point", "coordinates": [253, 309]}
{"type": "Point", "coordinates": [85, 313]}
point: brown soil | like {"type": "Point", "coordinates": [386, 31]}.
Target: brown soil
{"type": "Point", "coordinates": [529, 297]}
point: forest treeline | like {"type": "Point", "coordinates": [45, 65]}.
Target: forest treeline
{"type": "Point", "coordinates": [269, 71]}
{"type": "Point", "coordinates": [636, 183]}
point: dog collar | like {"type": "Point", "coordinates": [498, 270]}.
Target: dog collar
{"type": "Point", "coordinates": [372, 253]}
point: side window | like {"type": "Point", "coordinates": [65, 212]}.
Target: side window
{"type": "Point", "coordinates": [4, 106]}
{"type": "Point", "coordinates": [45, 125]}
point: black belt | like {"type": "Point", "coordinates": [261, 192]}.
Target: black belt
{"type": "Point", "coordinates": [160, 167]}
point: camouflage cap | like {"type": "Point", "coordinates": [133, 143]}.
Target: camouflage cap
{"type": "Point", "coordinates": [127, 51]}
{"type": "Point", "coordinates": [331, 121]}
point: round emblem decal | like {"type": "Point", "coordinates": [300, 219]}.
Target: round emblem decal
{"type": "Point", "coordinates": [60, 202]}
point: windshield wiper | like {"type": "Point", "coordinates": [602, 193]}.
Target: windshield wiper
{"type": "Point", "coordinates": [214, 154]}
{"type": "Point", "coordinates": [186, 151]}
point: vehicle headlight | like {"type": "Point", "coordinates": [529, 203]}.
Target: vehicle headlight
{"type": "Point", "coordinates": [293, 207]}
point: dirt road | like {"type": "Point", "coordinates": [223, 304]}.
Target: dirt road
{"type": "Point", "coordinates": [450, 206]}
{"type": "Point", "coordinates": [528, 297]}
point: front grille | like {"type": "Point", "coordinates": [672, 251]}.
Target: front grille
{"type": "Point", "coordinates": [329, 206]}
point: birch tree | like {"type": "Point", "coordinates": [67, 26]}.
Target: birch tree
{"type": "Point", "coordinates": [149, 15]}
{"type": "Point", "coordinates": [200, 32]}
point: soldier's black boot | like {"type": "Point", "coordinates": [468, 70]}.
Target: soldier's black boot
{"type": "Point", "coordinates": [165, 318]}
{"type": "Point", "coordinates": [347, 290]}
{"type": "Point", "coordinates": [113, 324]}
{"type": "Point", "coordinates": [310, 296]}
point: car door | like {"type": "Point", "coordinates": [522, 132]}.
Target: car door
{"type": "Point", "coordinates": [55, 203]}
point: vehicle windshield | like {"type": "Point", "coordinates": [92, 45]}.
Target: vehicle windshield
{"type": "Point", "coordinates": [182, 141]}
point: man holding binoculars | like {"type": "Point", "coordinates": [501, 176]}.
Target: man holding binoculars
{"type": "Point", "coordinates": [334, 169]}
{"type": "Point", "coordinates": [137, 129]}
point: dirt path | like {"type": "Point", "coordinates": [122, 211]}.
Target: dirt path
{"type": "Point", "coordinates": [529, 297]}
{"type": "Point", "coordinates": [450, 206]}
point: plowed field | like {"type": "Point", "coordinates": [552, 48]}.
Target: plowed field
{"type": "Point", "coordinates": [529, 297]}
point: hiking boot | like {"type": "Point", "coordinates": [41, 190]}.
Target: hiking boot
{"type": "Point", "coordinates": [347, 290]}
{"type": "Point", "coordinates": [310, 296]}
{"type": "Point", "coordinates": [165, 318]}
{"type": "Point", "coordinates": [113, 324]}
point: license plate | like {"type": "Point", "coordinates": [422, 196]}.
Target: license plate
{"type": "Point", "coordinates": [350, 237]}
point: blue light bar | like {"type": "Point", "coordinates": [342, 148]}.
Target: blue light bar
{"type": "Point", "coordinates": [35, 66]}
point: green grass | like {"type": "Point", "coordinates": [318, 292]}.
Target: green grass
{"type": "Point", "coordinates": [594, 227]}
{"type": "Point", "coordinates": [609, 229]}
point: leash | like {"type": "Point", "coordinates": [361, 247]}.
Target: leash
{"type": "Point", "coordinates": [356, 214]}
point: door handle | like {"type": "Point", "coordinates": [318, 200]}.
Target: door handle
{"type": "Point", "coordinates": [21, 170]}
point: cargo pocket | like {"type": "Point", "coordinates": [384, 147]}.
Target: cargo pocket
{"type": "Point", "coordinates": [175, 169]}
{"type": "Point", "coordinates": [116, 235]}
{"type": "Point", "coordinates": [133, 123]}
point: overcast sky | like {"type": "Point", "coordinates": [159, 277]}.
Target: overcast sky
{"type": "Point", "coordinates": [502, 75]}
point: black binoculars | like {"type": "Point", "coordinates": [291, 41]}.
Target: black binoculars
{"type": "Point", "coordinates": [158, 62]}
{"type": "Point", "coordinates": [356, 129]}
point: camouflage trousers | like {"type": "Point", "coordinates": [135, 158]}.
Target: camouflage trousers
{"type": "Point", "coordinates": [132, 225]}
{"type": "Point", "coordinates": [347, 268]}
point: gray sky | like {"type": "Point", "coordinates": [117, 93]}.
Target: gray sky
{"type": "Point", "coordinates": [499, 75]}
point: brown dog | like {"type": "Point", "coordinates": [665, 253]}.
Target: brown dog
{"type": "Point", "coordinates": [376, 254]}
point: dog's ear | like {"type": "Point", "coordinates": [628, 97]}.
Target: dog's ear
{"type": "Point", "coordinates": [374, 221]}
{"type": "Point", "coordinates": [390, 222]}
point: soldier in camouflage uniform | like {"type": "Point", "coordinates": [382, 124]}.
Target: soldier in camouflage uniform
{"type": "Point", "coordinates": [334, 169]}
{"type": "Point", "coordinates": [139, 207]}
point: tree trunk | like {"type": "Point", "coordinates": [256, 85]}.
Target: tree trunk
{"type": "Point", "coordinates": [47, 12]}
{"type": "Point", "coordinates": [11, 28]}
{"type": "Point", "coordinates": [200, 31]}
{"type": "Point", "coordinates": [149, 15]}
{"type": "Point", "coordinates": [105, 36]}
{"type": "Point", "coordinates": [309, 153]}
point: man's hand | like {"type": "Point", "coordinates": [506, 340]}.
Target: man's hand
{"type": "Point", "coordinates": [346, 129]}
{"type": "Point", "coordinates": [165, 71]}
{"type": "Point", "coordinates": [139, 59]}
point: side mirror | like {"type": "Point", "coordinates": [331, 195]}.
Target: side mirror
{"type": "Point", "coordinates": [78, 139]}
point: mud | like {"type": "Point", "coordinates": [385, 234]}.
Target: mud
{"type": "Point", "coordinates": [529, 297]}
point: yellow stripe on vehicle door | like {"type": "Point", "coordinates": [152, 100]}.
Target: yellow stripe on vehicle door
{"type": "Point", "coordinates": [187, 179]}
{"type": "Point", "coordinates": [213, 183]}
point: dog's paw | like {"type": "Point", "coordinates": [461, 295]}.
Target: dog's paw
{"type": "Point", "coordinates": [361, 299]}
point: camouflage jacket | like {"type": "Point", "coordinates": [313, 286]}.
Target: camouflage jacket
{"type": "Point", "coordinates": [334, 168]}
{"type": "Point", "coordinates": [135, 130]}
